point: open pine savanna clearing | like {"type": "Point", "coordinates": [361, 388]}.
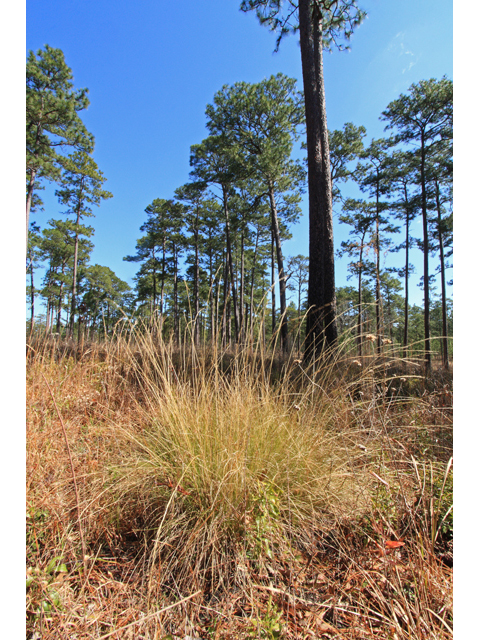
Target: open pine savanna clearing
{"type": "Point", "coordinates": [242, 426]}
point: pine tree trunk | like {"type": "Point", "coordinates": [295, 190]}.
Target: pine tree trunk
{"type": "Point", "coordinates": [31, 187]}
{"type": "Point", "coordinates": [162, 286]}
{"type": "Point", "coordinates": [176, 331]}
{"type": "Point", "coordinates": [321, 319]}
{"type": "Point", "coordinates": [226, 291]}
{"type": "Point", "coordinates": [196, 296]}
{"type": "Point", "coordinates": [230, 262]}
{"type": "Point", "coordinates": [212, 300]}
{"type": "Point", "coordinates": [274, 320]}
{"type": "Point", "coordinates": [47, 317]}
{"type": "Point", "coordinates": [407, 249]}
{"type": "Point", "coordinates": [73, 302]}
{"type": "Point", "coordinates": [298, 317]}
{"type": "Point", "coordinates": [32, 299]}
{"type": "Point", "coordinates": [60, 303]}
{"type": "Point", "coordinates": [377, 282]}
{"type": "Point", "coordinates": [107, 321]}
{"type": "Point", "coordinates": [228, 324]}
{"type": "Point", "coordinates": [59, 311]}
{"type": "Point", "coordinates": [154, 283]}
{"type": "Point", "coordinates": [52, 313]}
{"type": "Point", "coordinates": [281, 272]}
{"type": "Point", "coordinates": [242, 287]}
{"type": "Point", "coordinates": [360, 301]}
{"type": "Point", "coordinates": [445, 362]}
{"type": "Point", "coordinates": [252, 282]}
{"type": "Point", "coordinates": [216, 312]}
{"type": "Point", "coordinates": [426, 281]}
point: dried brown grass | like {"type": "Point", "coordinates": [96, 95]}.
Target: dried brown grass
{"type": "Point", "coordinates": [284, 532]}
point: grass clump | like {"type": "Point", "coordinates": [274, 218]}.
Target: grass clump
{"type": "Point", "coordinates": [225, 473]}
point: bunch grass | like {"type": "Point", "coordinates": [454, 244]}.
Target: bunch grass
{"type": "Point", "coordinates": [204, 488]}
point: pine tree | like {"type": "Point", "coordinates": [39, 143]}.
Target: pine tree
{"type": "Point", "coordinates": [345, 146]}
{"type": "Point", "coordinates": [261, 122]}
{"type": "Point", "coordinates": [102, 293]}
{"type": "Point", "coordinates": [216, 163]}
{"type": "Point", "coordinates": [322, 24]}
{"type": "Point", "coordinates": [373, 177]}
{"type": "Point", "coordinates": [404, 207]}
{"type": "Point", "coordinates": [423, 118]}
{"type": "Point", "coordinates": [440, 173]}
{"type": "Point", "coordinates": [360, 215]}
{"type": "Point", "coordinates": [297, 274]}
{"type": "Point", "coordinates": [195, 209]}
{"type": "Point", "coordinates": [158, 251]}
{"type": "Point", "coordinates": [57, 246]}
{"type": "Point", "coordinates": [33, 256]}
{"type": "Point", "coordinates": [52, 107]}
{"type": "Point", "coordinates": [80, 186]}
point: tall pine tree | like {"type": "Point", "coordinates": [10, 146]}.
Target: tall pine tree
{"type": "Point", "coordinates": [52, 107]}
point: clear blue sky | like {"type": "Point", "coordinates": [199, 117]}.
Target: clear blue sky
{"type": "Point", "coordinates": [152, 66]}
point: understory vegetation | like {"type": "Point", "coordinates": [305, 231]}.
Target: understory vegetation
{"type": "Point", "coordinates": [198, 493]}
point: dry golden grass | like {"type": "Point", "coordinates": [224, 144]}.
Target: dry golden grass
{"type": "Point", "coordinates": [222, 495]}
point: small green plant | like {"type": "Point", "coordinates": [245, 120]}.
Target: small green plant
{"type": "Point", "coordinates": [265, 513]}
{"type": "Point", "coordinates": [268, 626]}
{"type": "Point", "coordinates": [435, 500]}
{"type": "Point", "coordinates": [36, 531]}
{"type": "Point", "coordinates": [42, 587]}
{"type": "Point", "coordinates": [386, 511]}
{"type": "Point", "coordinates": [384, 503]}
{"type": "Point", "coordinates": [442, 503]}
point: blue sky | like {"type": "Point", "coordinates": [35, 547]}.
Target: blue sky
{"type": "Point", "coordinates": [151, 67]}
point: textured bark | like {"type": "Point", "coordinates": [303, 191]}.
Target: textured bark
{"type": "Point", "coordinates": [321, 319]}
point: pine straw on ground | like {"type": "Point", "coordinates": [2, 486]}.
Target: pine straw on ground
{"type": "Point", "coordinates": [382, 570]}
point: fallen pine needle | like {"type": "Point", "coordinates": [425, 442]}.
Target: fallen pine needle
{"type": "Point", "coordinates": [378, 478]}
{"type": "Point", "coordinates": [441, 620]}
{"type": "Point", "coordinates": [77, 499]}
{"type": "Point", "coordinates": [150, 615]}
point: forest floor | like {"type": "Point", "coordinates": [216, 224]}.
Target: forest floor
{"type": "Point", "coordinates": [191, 494]}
